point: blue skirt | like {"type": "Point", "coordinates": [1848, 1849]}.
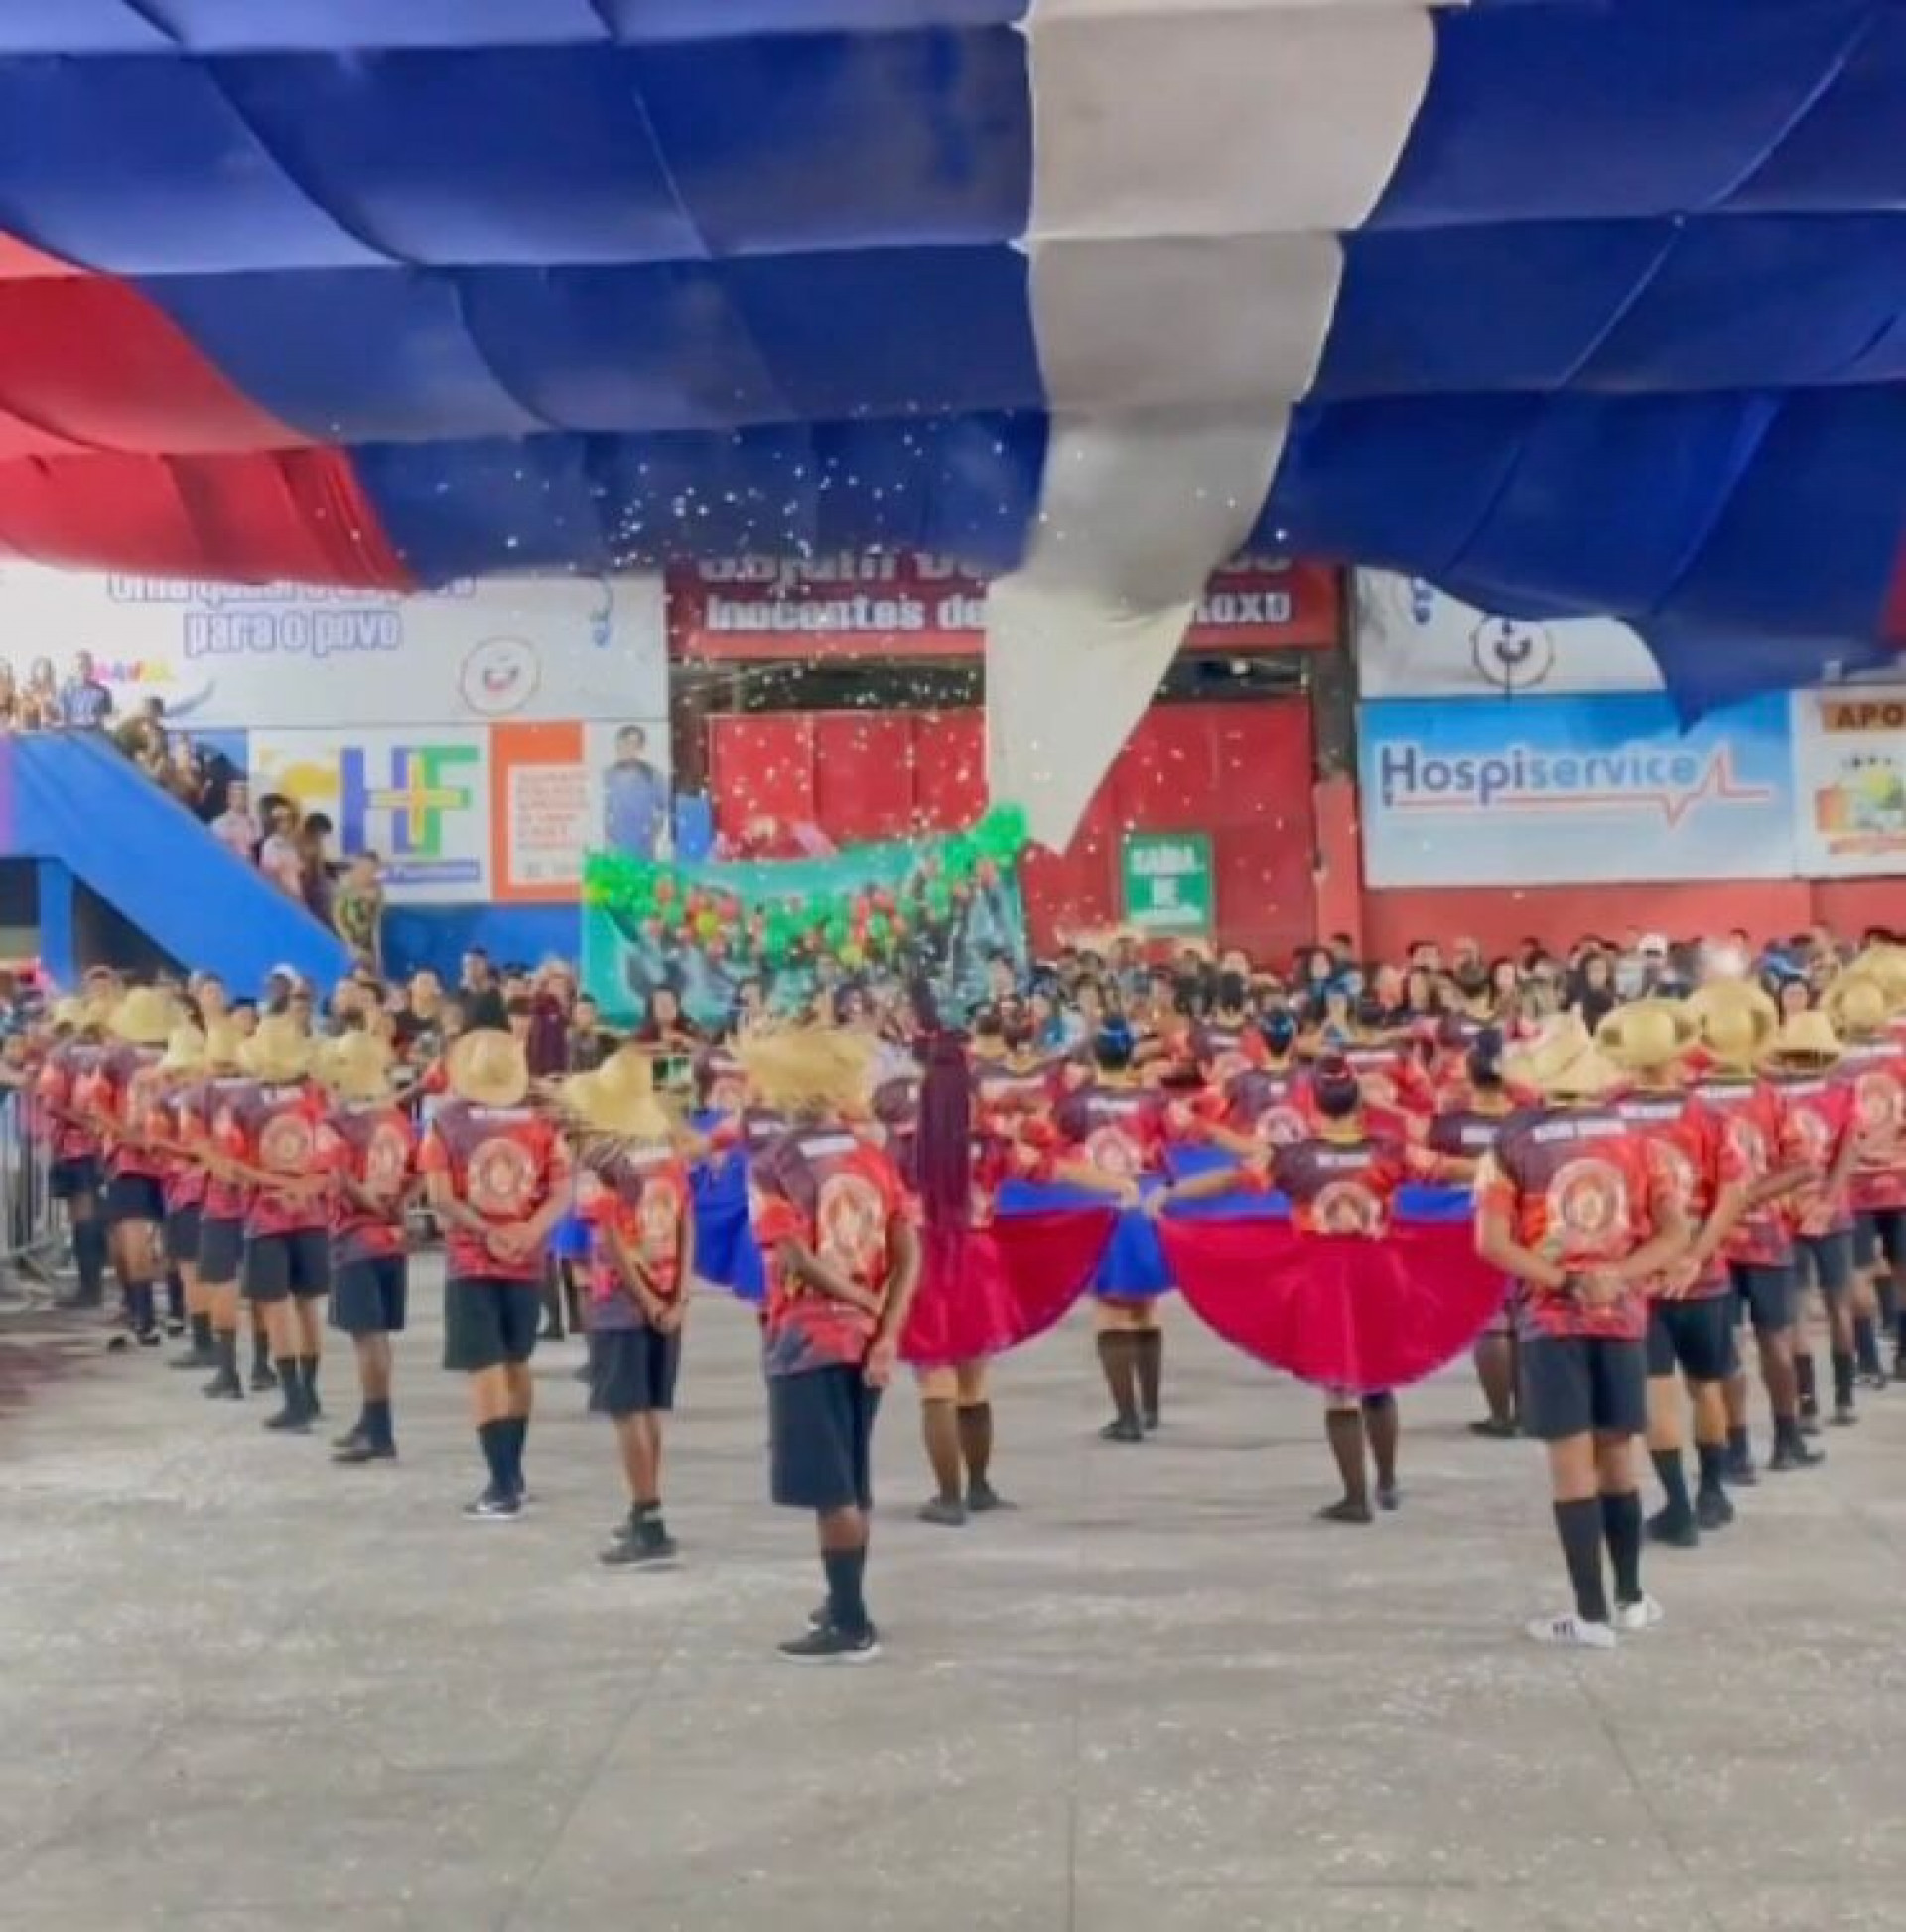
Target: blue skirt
{"type": "Point", "coordinates": [1132, 1267]}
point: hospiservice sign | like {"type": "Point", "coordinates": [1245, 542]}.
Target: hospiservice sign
{"type": "Point", "coordinates": [1559, 790]}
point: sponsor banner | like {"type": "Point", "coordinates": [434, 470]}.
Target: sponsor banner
{"type": "Point", "coordinates": [560, 790]}
{"type": "Point", "coordinates": [1536, 791]}
{"type": "Point", "coordinates": [270, 655]}
{"type": "Point", "coordinates": [1850, 780]}
{"type": "Point", "coordinates": [1414, 641]}
{"type": "Point", "coordinates": [862, 603]}
{"type": "Point", "coordinates": [419, 797]}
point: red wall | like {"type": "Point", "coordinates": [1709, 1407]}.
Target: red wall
{"type": "Point", "coordinates": [1239, 772]}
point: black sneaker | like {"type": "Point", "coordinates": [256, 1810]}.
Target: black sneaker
{"type": "Point", "coordinates": [820, 1616]}
{"type": "Point", "coordinates": [224, 1387]}
{"type": "Point", "coordinates": [263, 1377]}
{"type": "Point", "coordinates": [827, 1645]}
{"type": "Point", "coordinates": [982, 1496]}
{"type": "Point", "coordinates": [1148, 1421]}
{"type": "Point", "coordinates": [1121, 1429]}
{"type": "Point", "coordinates": [948, 1515]}
{"type": "Point", "coordinates": [195, 1358]}
{"type": "Point", "coordinates": [288, 1421]}
{"type": "Point", "coordinates": [1810, 1421]}
{"type": "Point", "coordinates": [1678, 1529]}
{"type": "Point", "coordinates": [118, 1345]}
{"type": "Point", "coordinates": [1389, 1496]}
{"type": "Point", "coordinates": [493, 1507]}
{"type": "Point", "coordinates": [1844, 1415]}
{"type": "Point", "coordinates": [1498, 1428]}
{"type": "Point", "coordinates": [360, 1448]}
{"type": "Point", "coordinates": [1794, 1454]}
{"type": "Point", "coordinates": [1346, 1510]}
{"type": "Point", "coordinates": [149, 1338]}
{"type": "Point", "coordinates": [1713, 1509]}
{"type": "Point", "coordinates": [174, 1328]}
{"type": "Point", "coordinates": [1873, 1377]}
{"type": "Point", "coordinates": [1740, 1469]}
{"type": "Point", "coordinates": [642, 1552]}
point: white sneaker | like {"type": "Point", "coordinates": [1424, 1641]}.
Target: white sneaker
{"type": "Point", "coordinates": [1643, 1614]}
{"type": "Point", "coordinates": [1571, 1631]}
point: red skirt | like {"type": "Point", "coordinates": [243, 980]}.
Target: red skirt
{"type": "Point", "coordinates": [983, 1290]}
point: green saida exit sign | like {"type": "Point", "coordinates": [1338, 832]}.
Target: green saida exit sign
{"type": "Point", "coordinates": [1167, 883]}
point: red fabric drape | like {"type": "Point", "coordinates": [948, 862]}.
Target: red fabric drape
{"type": "Point", "coordinates": [983, 1290]}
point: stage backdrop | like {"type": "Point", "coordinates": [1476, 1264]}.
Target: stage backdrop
{"type": "Point", "coordinates": [265, 655]}
{"type": "Point", "coordinates": [1530, 792]}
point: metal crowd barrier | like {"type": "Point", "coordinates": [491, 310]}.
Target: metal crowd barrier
{"type": "Point", "coordinates": [34, 1252]}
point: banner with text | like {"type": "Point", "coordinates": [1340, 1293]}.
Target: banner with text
{"type": "Point", "coordinates": [1850, 780]}
{"type": "Point", "coordinates": [419, 798]}
{"type": "Point", "coordinates": [1414, 641]}
{"type": "Point", "coordinates": [1533, 791]}
{"type": "Point", "coordinates": [286, 654]}
{"type": "Point", "coordinates": [560, 790]}
{"type": "Point", "coordinates": [880, 605]}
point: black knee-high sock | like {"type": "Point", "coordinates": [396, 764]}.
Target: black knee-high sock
{"type": "Point", "coordinates": [1866, 1345]}
{"type": "Point", "coordinates": [140, 1307]}
{"type": "Point", "coordinates": [1674, 1481]}
{"type": "Point", "coordinates": [1383, 1425]}
{"type": "Point", "coordinates": [308, 1373]}
{"type": "Point", "coordinates": [1886, 1292]}
{"type": "Point", "coordinates": [1343, 1430]}
{"type": "Point", "coordinates": [492, 1438]}
{"type": "Point", "coordinates": [89, 1258]}
{"type": "Point", "coordinates": [519, 1439]}
{"type": "Point", "coordinates": [1842, 1381]}
{"type": "Point", "coordinates": [940, 1432]}
{"type": "Point", "coordinates": [1621, 1526]}
{"type": "Point", "coordinates": [201, 1335]}
{"type": "Point", "coordinates": [1151, 1349]}
{"type": "Point", "coordinates": [1804, 1380]}
{"type": "Point", "coordinates": [174, 1295]}
{"type": "Point", "coordinates": [1713, 1458]}
{"type": "Point", "coordinates": [1118, 1357]}
{"type": "Point", "coordinates": [846, 1588]}
{"type": "Point", "coordinates": [375, 1423]}
{"type": "Point", "coordinates": [1579, 1527]}
{"type": "Point", "coordinates": [976, 1442]}
{"type": "Point", "coordinates": [226, 1341]}
{"type": "Point", "coordinates": [260, 1348]}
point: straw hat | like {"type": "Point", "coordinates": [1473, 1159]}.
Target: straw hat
{"type": "Point", "coordinates": [223, 1047]}
{"type": "Point", "coordinates": [1887, 965]}
{"type": "Point", "coordinates": [1646, 1034]}
{"type": "Point", "coordinates": [1564, 1063]}
{"type": "Point", "coordinates": [808, 1068]}
{"type": "Point", "coordinates": [1806, 1040]}
{"type": "Point", "coordinates": [1858, 1005]}
{"type": "Point", "coordinates": [1736, 1021]}
{"type": "Point", "coordinates": [144, 1018]}
{"type": "Point", "coordinates": [72, 1011]}
{"type": "Point", "coordinates": [185, 1051]}
{"type": "Point", "coordinates": [617, 1100]}
{"type": "Point", "coordinates": [488, 1067]}
{"type": "Point", "coordinates": [354, 1067]}
{"type": "Point", "coordinates": [277, 1052]}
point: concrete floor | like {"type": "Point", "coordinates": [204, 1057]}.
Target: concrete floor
{"type": "Point", "coordinates": [240, 1688]}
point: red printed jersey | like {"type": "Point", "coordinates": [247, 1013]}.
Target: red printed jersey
{"type": "Point", "coordinates": [1754, 1120]}
{"type": "Point", "coordinates": [1818, 1111]}
{"type": "Point", "coordinates": [1272, 1104]}
{"type": "Point", "coordinates": [1465, 1133]}
{"type": "Point", "coordinates": [1344, 1187]}
{"type": "Point", "coordinates": [1874, 1071]}
{"type": "Point", "coordinates": [370, 1145]}
{"type": "Point", "coordinates": [57, 1088]}
{"type": "Point", "coordinates": [1390, 1077]}
{"type": "Point", "coordinates": [275, 1130]}
{"type": "Point", "coordinates": [118, 1085]}
{"type": "Point", "coordinates": [830, 1191]}
{"type": "Point", "coordinates": [644, 1199]}
{"type": "Point", "coordinates": [1695, 1160]}
{"type": "Point", "coordinates": [504, 1164]}
{"type": "Point", "coordinates": [1577, 1187]}
{"type": "Point", "coordinates": [196, 1111]}
{"type": "Point", "coordinates": [185, 1178]}
{"type": "Point", "coordinates": [1006, 1091]}
{"type": "Point", "coordinates": [1225, 1048]}
{"type": "Point", "coordinates": [1120, 1130]}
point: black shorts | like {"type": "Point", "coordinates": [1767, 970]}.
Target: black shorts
{"type": "Point", "coordinates": [1571, 1384]}
{"type": "Point", "coordinates": [1766, 1292]}
{"type": "Point", "coordinates": [78, 1174]}
{"type": "Point", "coordinates": [1831, 1257]}
{"type": "Point", "coordinates": [221, 1249]}
{"type": "Point", "coordinates": [135, 1198]}
{"type": "Point", "coordinates": [820, 1434]}
{"type": "Point", "coordinates": [1880, 1231]}
{"type": "Point", "coordinates": [487, 1321]}
{"type": "Point", "coordinates": [370, 1297]}
{"type": "Point", "coordinates": [181, 1236]}
{"type": "Point", "coordinates": [1696, 1336]}
{"type": "Point", "coordinates": [277, 1265]}
{"type": "Point", "coordinates": [632, 1371]}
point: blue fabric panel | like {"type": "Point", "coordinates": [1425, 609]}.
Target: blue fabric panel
{"type": "Point", "coordinates": [1629, 107]}
{"type": "Point", "coordinates": [1761, 303]}
{"type": "Point", "coordinates": [243, 26]}
{"type": "Point", "coordinates": [853, 140]}
{"type": "Point", "coordinates": [79, 27]}
{"type": "Point", "coordinates": [503, 155]}
{"type": "Point", "coordinates": [348, 355]}
{"type": "Point", "coordinates": [1423, 312]}
{"type": "Point", "coordinates": [1848, 152]}
{"type": "Point", "coordinates": [683, 20]}
{"type": "Point", "coordinates": [140, 164]}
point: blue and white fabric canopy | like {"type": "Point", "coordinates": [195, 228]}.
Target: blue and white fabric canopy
{"type": "Point", "coordinates": [1571, 306]}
